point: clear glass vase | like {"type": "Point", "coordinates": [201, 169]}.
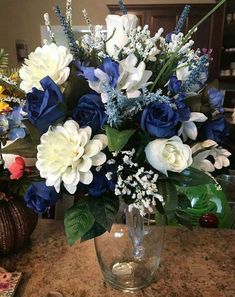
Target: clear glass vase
{"type": "Point", "coordinates": [129, 255]}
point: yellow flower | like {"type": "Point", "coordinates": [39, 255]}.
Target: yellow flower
{"type": "Point", "coordinates": [3, 105]}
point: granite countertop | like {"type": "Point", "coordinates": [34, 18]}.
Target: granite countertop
{"type": "Point", "coordinates": [199, 263]}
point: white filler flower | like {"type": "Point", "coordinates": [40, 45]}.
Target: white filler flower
{"type": "Point", "coordinates": [169, 154]}
{"type": "Point", "coordinates": [66, 154]}
{"type": "Point", "coordinates": [49, 60]}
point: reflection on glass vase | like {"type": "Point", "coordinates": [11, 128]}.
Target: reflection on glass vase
{"type": "Point", "coordinates": [129, 255]}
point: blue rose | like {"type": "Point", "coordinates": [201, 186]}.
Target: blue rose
{"type": "Point", "coordinates": [90, 111]}
{"type": "Point", "coordinates": [216, 99]}
{"type": "Point", "coordinates": [101, 183]}
{"type": "Point", "coordinates": [44, 108]}
{"type": "Point", "coordinates": [160, 120]}
{"type": "Point", "coordinates": [216, 130]}
{"type": "Point", "coordinates": [182, 108]}
{"type": "Point", "coordinates": [174, 84]}
{"type": "Point", "coordinates": [39, 197]}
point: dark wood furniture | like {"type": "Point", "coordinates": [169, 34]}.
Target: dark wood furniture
{"type": "Point", "coordinates": [209, 34]}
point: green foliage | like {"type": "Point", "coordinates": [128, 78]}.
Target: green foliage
{"type": "Point", "coordinates": [169, 192]}
{"type": "Point", "coordinates": [78, 221]}
{"type": "Point", "coordinates": [23, 147]}
{"type": "Point", "coordinates": [18, 188]}
{"type": "Point", "coordinates": [33, 132]}
{"type": "Point", "coordinates": [104, 209]}
{"type": "Point", "coordinates": [96, 230]}
{"type": "Point", "coordinates": [190, 177]}
{"type": "Point", "coordinates": [117, 139]}
{"type": "Point", "coordinates": [90, 217]}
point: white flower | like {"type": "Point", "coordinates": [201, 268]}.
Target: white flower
{"type": "Point", "coordinates": [118, 28]}
{"type": "Point", "coordinates": [51, 60]}
{"type": "Point", "coordinates": [188, 128]}
{"type": "Point", "coordinates": [168, 154]}
{"type": "Point", "coordinates": [182, 72]}
{"type": "Point", "coordinates": [66, 154]}
{"type": "Point", "coordinates": [132, 78]}
{"type": "Point", "coordinates": [210, 148]}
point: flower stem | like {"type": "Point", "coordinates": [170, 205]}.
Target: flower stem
{"type": "Point", "coordinates": [190, 33]}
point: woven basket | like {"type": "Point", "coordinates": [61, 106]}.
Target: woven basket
{"type": "Point", "coordinates": [17, 222]}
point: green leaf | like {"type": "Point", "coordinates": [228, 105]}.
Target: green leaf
{"type": "Point", "coordinates": [33, 131]}
{"type": "Point", "coordinates": [159, 206]}
{"type": "Point", "coordinates": [183, 201]}
{"type": "Point", "coordinates": [191, 177]}
{"type": "Point", "coordinates": [183, 218]}
{"type": "Point", "coordinates": [23, 147]}
{"type": "Point", "coordinates": [19, 187]}
{"type": "Point", "coordinates": [118, 139]}
{"type": "Point", "coordinates": [96, 230]}
{"type": "Point", "coordinates": [104, 209]}
{"type": "Point", "coordinates": [169, 193]}
{"type": "Point", "coordinates": [78, 221]}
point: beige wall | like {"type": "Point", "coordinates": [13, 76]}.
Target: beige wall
{"type": "Point", "coordinates": [21, 19]}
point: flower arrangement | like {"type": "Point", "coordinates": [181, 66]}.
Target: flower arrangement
{"type": "Point", "coordinates": [121, 114]}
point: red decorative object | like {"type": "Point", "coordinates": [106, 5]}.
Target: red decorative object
{"type": "Point", "coordinates": [209, 220]}
{"type": "Point", "coordinates": [17, 222]}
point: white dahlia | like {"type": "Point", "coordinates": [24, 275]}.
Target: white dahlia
{"type": "Point", "coordinates": [67, 153]}
{"type": "Point", "coordinates": [49, 60]}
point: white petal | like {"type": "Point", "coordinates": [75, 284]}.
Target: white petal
{"type": "Point", "coordinates": [86, 177]}
{"type": "Point", "coordinates": [103, 139]}
{"type": "Point", "coordinates": [99, 159]}
{"type": "Point", "coordinates": [197, 117]}
{"type": "Point", "coordinates": [84, 164]}
{"type": "Point", "coordinates": [190, 129]}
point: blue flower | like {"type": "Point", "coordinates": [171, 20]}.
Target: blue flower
{"type": "Point", "coordinates": [16, 127]}
{"type": "Point", "coordinates": [182, 108]}
{"type": "Point", "coordinates": [90, 111]}
{"type": "Point", "coordinates": [39, 197]}
{"type": "Point", "coordinates": [168, 37]}
{"type": "Point", "coordinates": [11, 124]}
{"type": "Point", "coordinates": [44, 108]}
{"type": "Point", "coordinates": [174, 84]}
{"type": "Point", "coordinates": [216, 99]}
{"type": "Point", "coordinates": [100, 183]}
{"type": "Point", "coordinates": [109, 67]}
{"type": "Point", "coordinates": [216, 130]}
{"type": "Point", "coordinates": [159, 119]}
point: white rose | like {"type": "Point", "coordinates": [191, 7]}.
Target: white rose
{"type": "Point", "coordinates": [117, 29]}
{"type": "Point", "coordinates": [169, 154]}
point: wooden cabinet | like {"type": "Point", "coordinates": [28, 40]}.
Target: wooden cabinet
{"type": "Point", "coordinates": [209, 34]}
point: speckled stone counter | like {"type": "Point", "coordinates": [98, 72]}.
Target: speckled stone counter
{"type": "Point", "coordinates": [194, 264]}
